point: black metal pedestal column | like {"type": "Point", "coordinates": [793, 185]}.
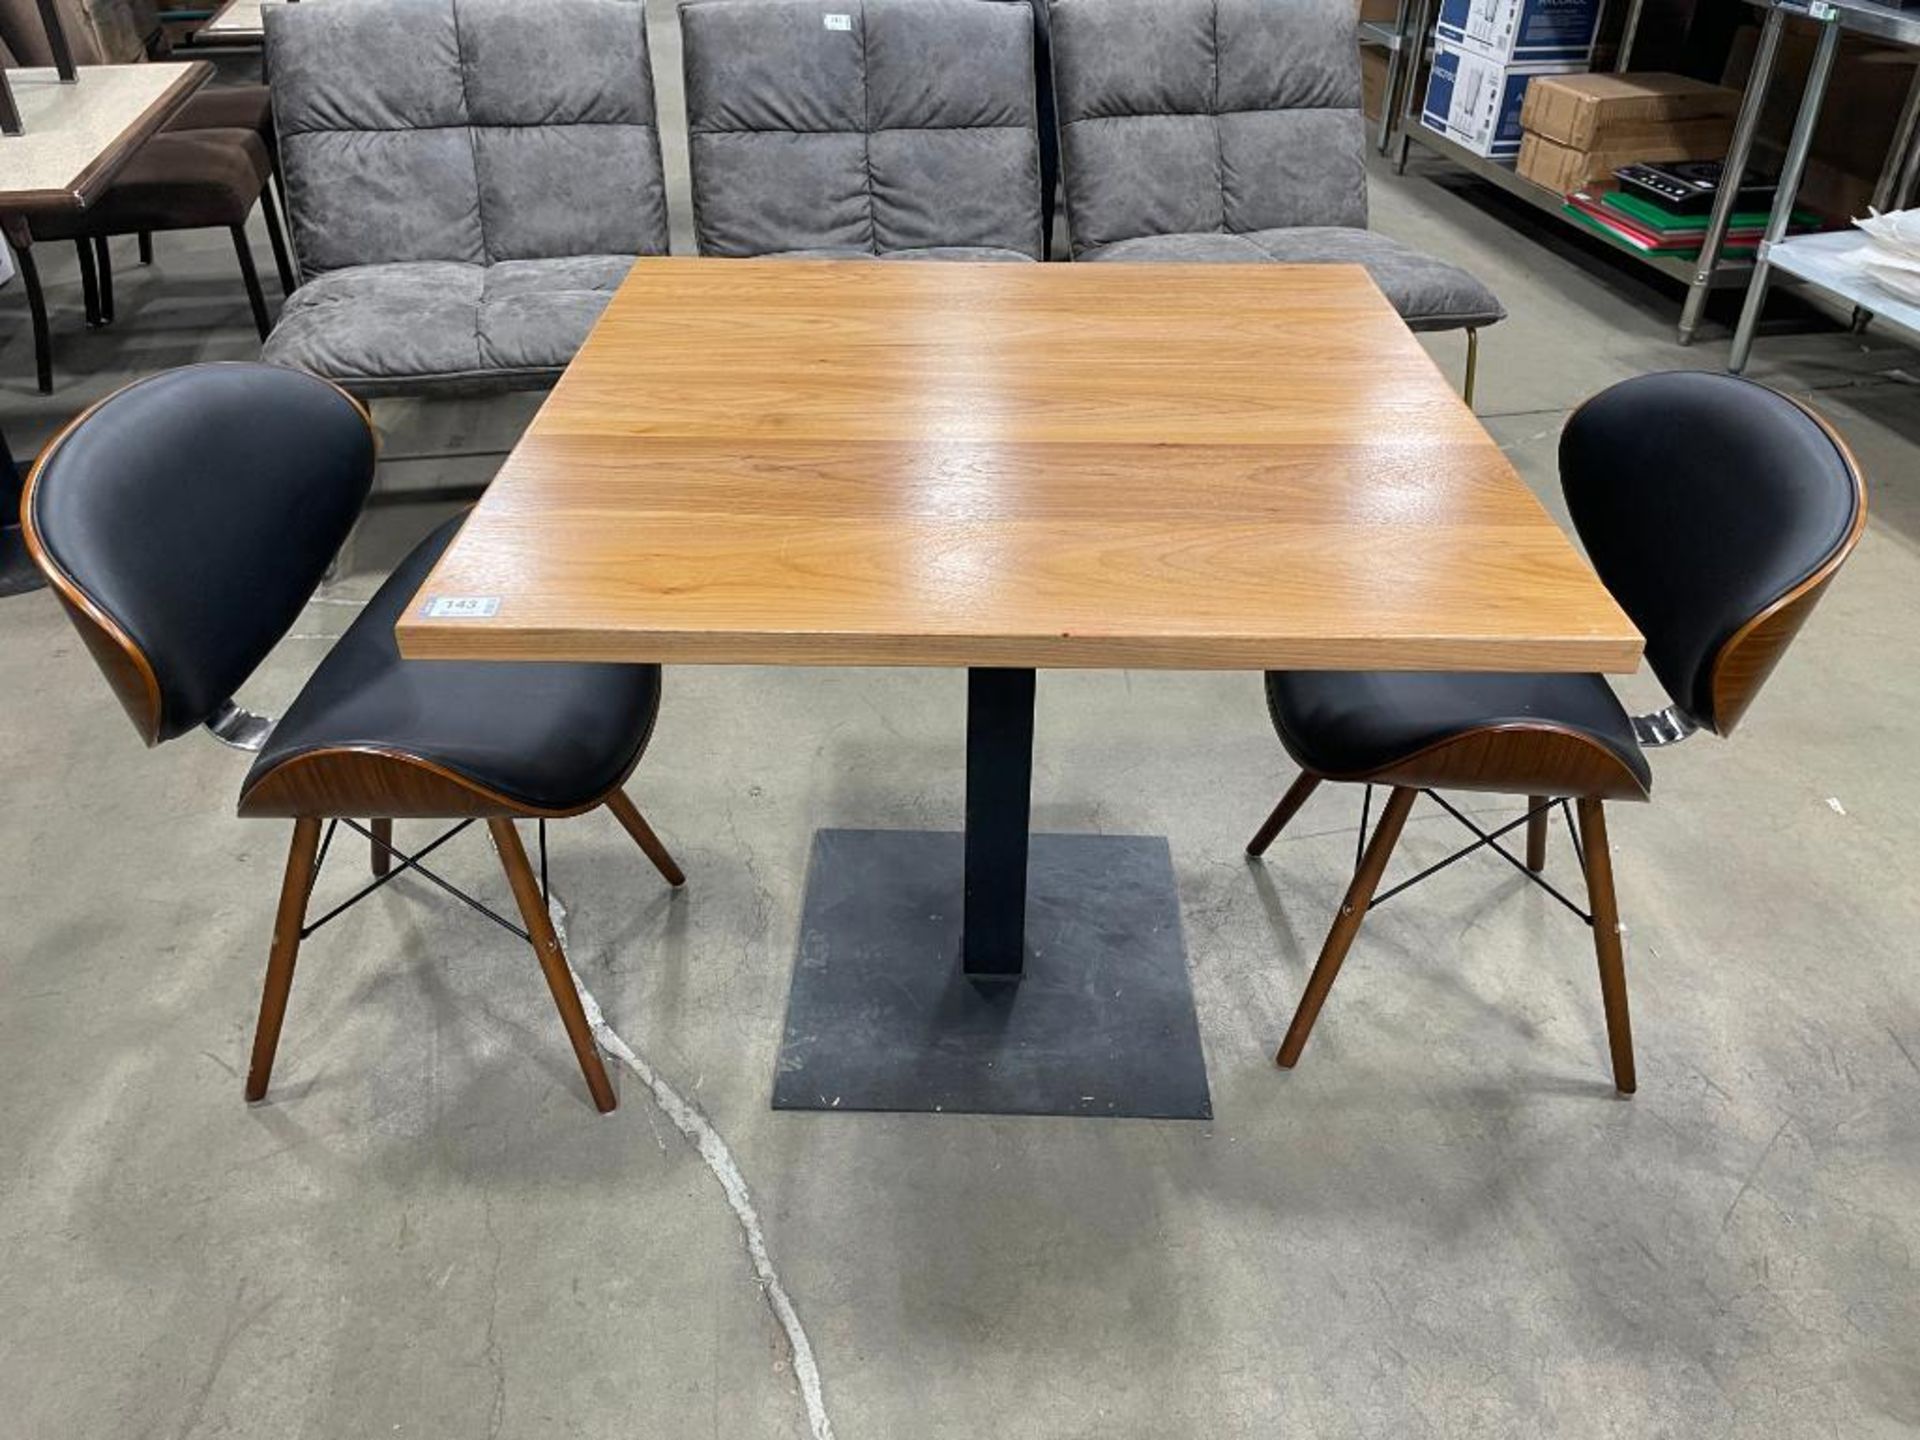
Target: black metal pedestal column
{"type": "Point", "coordinates": [911, 941]}
{"type": "Point", "coordinates": [993, 929]}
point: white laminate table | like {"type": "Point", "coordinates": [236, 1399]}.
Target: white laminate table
{"type": "Point", "coordinates": [79, 134]}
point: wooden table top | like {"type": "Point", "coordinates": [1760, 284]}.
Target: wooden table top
{"type": "Point", "coordinates": [1174, 466]}
{"type": "Point", "coordinates": [78, 135]}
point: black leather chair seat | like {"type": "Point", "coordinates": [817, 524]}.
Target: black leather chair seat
{"type": "Point", "coordinates": [548, 736]}
{"type": "Point", "coordinates": [1355, 723]}
{"type": "Point", "coordinates": [178, 180]}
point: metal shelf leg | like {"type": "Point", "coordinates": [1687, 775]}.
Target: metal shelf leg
{"type": "Point", "coordinates": [1790, 172]}
{"type": "Point", "coordinates": [1738, 152]}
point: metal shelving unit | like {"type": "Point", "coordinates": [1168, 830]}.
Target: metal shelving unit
{"type": "Point", "coordinates": [1682, 268]}
{"type": "Point", "coordinates": [1829, 262]}
{"type": "Point", "coordinates": [1820, 260]}
{"type": "Point", "coordinates": [1407, 39]}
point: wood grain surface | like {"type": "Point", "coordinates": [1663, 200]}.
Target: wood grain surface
{"type": "Point", "coordinates": [1178, 466]}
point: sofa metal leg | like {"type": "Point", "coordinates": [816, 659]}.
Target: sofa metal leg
{"type": "Point", "coordinates": [244, 253]}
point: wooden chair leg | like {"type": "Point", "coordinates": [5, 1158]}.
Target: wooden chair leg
{"type": "Point", "coordinates": [1353, 910]}
{"type": "Point", "coordinates": [382, 837]}
{"type": "Point", "coordinates": [1288, 807]}
{"type": "Point", "coordinates": [251, 278]}
{"type": "Point", "coordinates": [1606, 941]}
{"type": "Point", "coordinates": [553, 961]}
{"type": "Point", "coordinates": [628, 814]}
{"type": "Point", "coordinates": [286, 947]}
{"type": "Point", "coordinates": [103, 261]}
{"type": "Point", "coordinates": [1537, 832]}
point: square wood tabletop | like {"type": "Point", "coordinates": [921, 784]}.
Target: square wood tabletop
{"type": "Point", "coordinates": [1173, 466]}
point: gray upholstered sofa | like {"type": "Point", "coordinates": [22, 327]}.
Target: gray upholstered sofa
{"type": "Point", "coordinates": [1230, 130]}
{"type": "Point", "coordinates": [468, 182]}
{"type": "Point", "coordinates": [902, 129]}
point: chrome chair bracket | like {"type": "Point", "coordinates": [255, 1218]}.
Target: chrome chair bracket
{"type": "Point", "coordinates": [1663, 727]}
{"type": "Point", "coordinates": [242, 729]}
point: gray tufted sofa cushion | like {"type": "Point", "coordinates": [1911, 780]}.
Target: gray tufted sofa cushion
{"type": "Point", "coordinates": [468, 180]}
{"type": "Point", "coordinates": [1230, 130]}
{"type": "Point", "coordinates": [1430, 294]}
{"type": "Point", "coordinates": [850, 127]}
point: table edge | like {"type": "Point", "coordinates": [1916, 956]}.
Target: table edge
{"type": "Point", "coordinates": [94, 176]}
{"type": "Point", "coordinates": [1604, 654]}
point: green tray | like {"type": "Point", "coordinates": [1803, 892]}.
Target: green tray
{"type": "Point", "coordinates": [1652, 217]}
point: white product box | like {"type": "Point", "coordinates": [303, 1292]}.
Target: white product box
{"type": "Point", "coordinates": [1475, 101]}
{"type": "Point", "coordinates": [1513, 31]}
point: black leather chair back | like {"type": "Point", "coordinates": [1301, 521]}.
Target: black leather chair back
{"type": "Point", "coordinates": [1716, 511]}
{"type": "Point", "coordinates": [186, 519]}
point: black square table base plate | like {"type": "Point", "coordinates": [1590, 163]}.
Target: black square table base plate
{"type": "Point", "coordinates": [880, 1016]}
{"type": "Point", "coordinates": [17, 572]}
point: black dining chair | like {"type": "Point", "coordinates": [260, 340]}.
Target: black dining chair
{"type": "Point", "coordinates": [184, 522]}
{"type": "Point", "coordinates": [1716, 511]}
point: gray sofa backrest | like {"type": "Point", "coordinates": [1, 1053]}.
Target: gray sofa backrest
{"type": "Point", "coordinates": [1186, 116]}
{"type": "Point", "coordinates": [866, 124]}
{"type": "Point", "coordinates": [468, 130]}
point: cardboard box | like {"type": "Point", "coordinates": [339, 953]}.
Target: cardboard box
{"type": "Point", "coordinates": [1475, 102]}
{"type": "Point", "coordinates": [1563, 169]}
{"type": "Point", "coordinates": [1590, 111]}
{"type": "Point", "coordinates": [1520, 31]}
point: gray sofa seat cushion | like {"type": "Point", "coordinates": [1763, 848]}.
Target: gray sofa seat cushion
{"type": "Point", "coordinates": [924, 252]}
{"type": "Point", "coordinates": [867, 125]}
{"type": "Point", "coordinates": [1430, 294]}
{"type": "Point", "coordinates": [467, 181]}
{"type": "Point", "coordinates": [445, 326]}
{"type": "Point", "coordinates": [1230, 130]}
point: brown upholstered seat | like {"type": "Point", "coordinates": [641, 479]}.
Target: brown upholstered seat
{"type": "Point", "coordinates": [207, 167]}
{"type": "Point", "coordinates": [229, 107]}
{"type": "Point", "coordinates": [179, 180]}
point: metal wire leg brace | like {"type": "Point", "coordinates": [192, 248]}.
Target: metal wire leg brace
{"type": "Point", "coordinates": [1487, 840]}
{"type": "Point", "coordinates": [412, 862]}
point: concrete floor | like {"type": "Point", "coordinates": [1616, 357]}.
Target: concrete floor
{"type": "Point", "coordinates": [1444, 1223]}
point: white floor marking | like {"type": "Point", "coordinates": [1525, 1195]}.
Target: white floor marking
{"type": "Point", "coordinates": [691, 1123]}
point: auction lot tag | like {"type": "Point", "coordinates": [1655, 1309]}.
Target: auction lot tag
{"type": "Point", "coordinates": [463, 607]}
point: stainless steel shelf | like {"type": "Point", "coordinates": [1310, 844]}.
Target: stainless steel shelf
{"type": "Point", "coordinates": [1830, 262]}
{"type": "Point", "coordinates": [1381, 33]}
{"type": "Point", "coordinates": [1728, 274]}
